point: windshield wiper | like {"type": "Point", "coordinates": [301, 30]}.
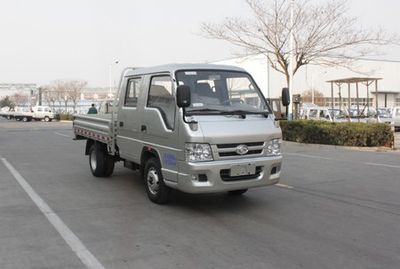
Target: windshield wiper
{"type": "Point", "coordinates": [208, 111]}
{"type": "Point", "coordinates": [211, 111]}
{"type": "Point", "coordinates": [243, 113]}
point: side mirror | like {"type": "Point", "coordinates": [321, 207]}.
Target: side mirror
{"type": "Point", "coordinates": [285, 96]}
{"type": "Point", "coordinates": [183, 96]}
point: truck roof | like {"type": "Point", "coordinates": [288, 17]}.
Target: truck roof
{"type": "Point", "coordinates": [172, 68]}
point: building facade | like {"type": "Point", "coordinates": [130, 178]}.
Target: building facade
{"type": "Point", "coordinates": [27, 93]}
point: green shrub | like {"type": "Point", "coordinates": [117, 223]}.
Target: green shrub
{"type": "Point", "coordinates": [63, 116]}
{"type": "Point", "coordinates": [337, 133]}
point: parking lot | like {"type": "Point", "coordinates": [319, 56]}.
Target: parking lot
{"type": "Point", "coordinates": [334, 208]}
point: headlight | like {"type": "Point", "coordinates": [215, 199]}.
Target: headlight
{"type": "Point", "coordinates": [198, 152]}
{"type": "Point", "coordinates": [274, 147]}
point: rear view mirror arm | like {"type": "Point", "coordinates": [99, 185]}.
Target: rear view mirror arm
{"type": "Point", "coordinates": [184, 117]}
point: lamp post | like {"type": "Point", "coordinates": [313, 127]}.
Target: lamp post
{"type": "Point", "coordinates": [110, 77]}
{"type": "Point", "coordinates": [291, 52]}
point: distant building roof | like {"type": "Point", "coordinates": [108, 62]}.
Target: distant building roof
{"type": "Point", "coordinates": [386, 92]}
{"type": "Point", "coordinates": [354, 80]}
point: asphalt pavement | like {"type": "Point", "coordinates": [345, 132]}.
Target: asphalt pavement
{"type": "Point", "coordinates": [334, 208]}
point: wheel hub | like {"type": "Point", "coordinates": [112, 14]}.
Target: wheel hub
{"type": "Point", "coordinates": [93, 161]}
{"type": "Point", "coordinates": [153, 181]}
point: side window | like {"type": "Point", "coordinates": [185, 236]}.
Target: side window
{"type": "Point", "coordinates": [313, 113]}
{"type": "Point", "coordinates": [132, 92]}
{"type": "Point", "coordinates": [40, 109]}
{"type": "Point", "coordinates": [162, 98]}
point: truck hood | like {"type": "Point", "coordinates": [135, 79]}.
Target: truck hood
{"type": "Point", "coordinates": [232, 129]}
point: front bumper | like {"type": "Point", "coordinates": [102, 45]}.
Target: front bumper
{"type": "Point", "coordinates": [191, 178]}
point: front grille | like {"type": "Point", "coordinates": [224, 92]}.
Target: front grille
{"type": "Point", "coordinates": [229, 150]}
{"type": "Point", "coordinates": [251, 144]}
{"type": "Point", "coordinates": [227, 154]}
{"type": "Point", "coordinates": [225, 175]}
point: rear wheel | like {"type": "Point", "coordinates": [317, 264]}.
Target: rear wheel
{"type": "Point", "coordinates": [46, 119]}
{"type": "Point", "coordinates": [156, 189]}
{"type": "Point", "coordinates": [237, 192]}
{"type": "Point", "coordinates": [109, 165]}
{"type": "Point", "coordinates": [101, 164]}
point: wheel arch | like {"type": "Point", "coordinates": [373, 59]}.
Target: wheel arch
{"type": "Point", "coordinates": [89, 143]}
{"type": "Point", "coordinates": [147, 153]}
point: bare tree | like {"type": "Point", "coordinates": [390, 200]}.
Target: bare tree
{"type": "Point", "coordinates": [63, 92]}
{"type": "Point", "coordinates": [323, 34]}
{"type": "Point", "coordinates": [20, 99]}
{"type": "Point", "coordinates": [74, 90]}
{"type": "Point", "coordinates": [313, 95]}
{"type": "Point", "coordinates": [49, 95]}
{"type": "Point", "coordinates": [309, 93]}
{"type": "Point", "coordinates": [56, 92]}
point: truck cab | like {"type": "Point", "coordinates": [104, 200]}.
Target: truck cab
{"type": "Point", "coordinates": [195, 128]}
{"type": "Point", "coordinates": [396, 117]}
{"type": "Point", "coordinates": [42, 113]}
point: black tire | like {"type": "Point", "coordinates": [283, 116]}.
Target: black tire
{"type": "Point", "coordinates": [156, 189]}
{"type": "Point", "coordinates": [46, 119]}
{"type": "Point", "coordinates": [101, 164]}
{"type": "Point", "coordinates": [237, 192]}
{"type": "Point", "coordinates": [109, 165]}
{"type": "Point", "coordinates": [25, 119]}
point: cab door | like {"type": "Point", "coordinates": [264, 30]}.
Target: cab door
{"type": "Point", "coordinates": [159, 125]}
{"type": "Point", "coordinates": [128, 124]}
{"type": "Point", "coordinates": [39, 113]}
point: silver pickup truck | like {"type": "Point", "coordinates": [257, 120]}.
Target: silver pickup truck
{"type": "Point", "coordinates": [196, 128]}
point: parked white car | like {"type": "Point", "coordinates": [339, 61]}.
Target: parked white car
{"type": "Point", "coordinates": [42, 113]}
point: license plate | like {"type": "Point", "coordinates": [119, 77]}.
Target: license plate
{"type": "Point", "coordinates": [242, 170]}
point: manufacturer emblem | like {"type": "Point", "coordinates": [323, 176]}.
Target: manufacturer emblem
{"type": "Point", "coordinates": [242, 149]}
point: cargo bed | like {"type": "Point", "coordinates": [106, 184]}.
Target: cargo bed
{"type": "Point", "coordinates": [96, 127]}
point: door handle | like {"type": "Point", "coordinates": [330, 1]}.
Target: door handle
{"type": "Point", "coordinates": [121, 124]}
{"type": "Point", "coordinates": [143, 128]}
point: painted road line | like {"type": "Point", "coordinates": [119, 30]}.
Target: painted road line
{"type": "Point", "coordinates": [307, 156]}
{"type": "Point", "coordinates": [87, 258]}
{"type": "Point", "coordinates": [57, 133]}
{"type": "Point", "coordinates": [284, 186]}
{"type": "Point", "coordinates": [383, 165]}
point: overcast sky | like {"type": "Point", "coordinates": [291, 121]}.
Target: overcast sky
{"type": "Point", "coordinates": [45, 40]}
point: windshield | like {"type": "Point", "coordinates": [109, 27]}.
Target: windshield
{"type": "Point", "coordinates": [224, 91]}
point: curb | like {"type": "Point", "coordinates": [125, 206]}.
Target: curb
{"type": "Point", "coordinates": [364, 149]}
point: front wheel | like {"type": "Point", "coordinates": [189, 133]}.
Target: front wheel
{"type": "Point", "coordinates": [156, 189]}
{"type": "Point", "coordinates": [46, 119]}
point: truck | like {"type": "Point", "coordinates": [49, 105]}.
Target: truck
{"type": "Point", "coordinates": [28, 114]}
{"type": "Point", "coordinates": [197, 128]}
{"type": "Point", "coordinates": [395, 117]}
{"type": "Point", "coordinates": [18, 113]}
{"type": "Point", "coordinates": [42, 113]}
